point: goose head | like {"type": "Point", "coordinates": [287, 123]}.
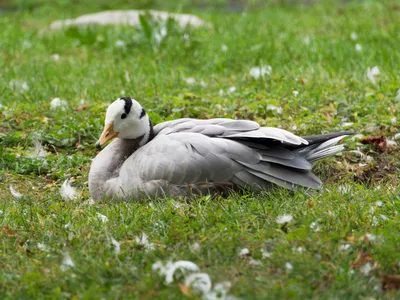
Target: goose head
{"type": "Point", "coordinates": [125, 119]}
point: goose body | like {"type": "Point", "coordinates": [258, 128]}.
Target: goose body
{"type": "Point", "coordinates": [195, 156]}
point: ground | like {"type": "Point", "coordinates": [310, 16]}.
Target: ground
{"type": "Point", "coordinates": [317, 71]}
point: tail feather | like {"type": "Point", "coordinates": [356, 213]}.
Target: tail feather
{"type": "Point", "coordinates": [287, 166]}
{"type": "Point", "coordinates": [321, 150]}
{"type": "Point", "coordinates": [312, 158]}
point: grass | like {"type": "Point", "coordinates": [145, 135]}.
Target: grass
{"type": "Point", "coordinates": [316, 255]}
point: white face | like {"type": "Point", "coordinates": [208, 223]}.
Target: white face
{"type": "Point", "coordinates": [129, 121]}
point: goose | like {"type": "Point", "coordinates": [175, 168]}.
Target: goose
{"type": "Point", "coordinates": [193, 156]}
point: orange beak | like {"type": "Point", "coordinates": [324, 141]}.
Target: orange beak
{"type": "Point", "coordinates": [108, 134]}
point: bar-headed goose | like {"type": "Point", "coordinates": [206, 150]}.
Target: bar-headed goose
{"type": "Point", "coordinates": [189, 155]}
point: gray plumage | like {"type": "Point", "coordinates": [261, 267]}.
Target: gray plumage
{"type": "Point", "coordinates": [189, 155]}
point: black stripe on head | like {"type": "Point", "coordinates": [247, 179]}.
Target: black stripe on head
{"type": "Point", "coordinates": [142, 114]}
{"type": "Point", "coordinates": [128, 104]}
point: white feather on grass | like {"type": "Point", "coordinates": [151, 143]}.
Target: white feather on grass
{"type": "Point", "coordinates": [67, 262]}
{"type": "Point", "coordinates": [283, 219]}
{"type": "Point", "coordinates": [103, 218]}
{"type": "Point", "coordinates": [15, 193]}
{"type": "Point", "coordinates": [144, 241]}
{"type": "Point", "coordinates": [373, 73]}
{"type": "Point", "coordinates": [200, 283]}
{"type": "Point", "coordinates": [257, 72]}
{"type": "Point", "coordinates": [169, 268]}
{"type": "Point", "coordinates": [42, 247]}
{"type": "Point", "coordinates": [38, 151]}
{"type": "Point", "coordinates": [220, 291]}
{"type": "Point", "coordinates": [117, 245]}
{"type": "Point", "coordinates": [57, 103]}
{"type": "Point", "coordinates": [244, 252]}
{"type": "Point", "coordinates": [67, 191]}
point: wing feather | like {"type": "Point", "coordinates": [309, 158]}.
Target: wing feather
{"type": "Point", "coordinates": [243, 130]}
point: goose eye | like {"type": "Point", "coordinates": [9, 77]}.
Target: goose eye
{"type": "Point", "coordinates": [142, 113]}
{"type": "Point", "coordinates": [123, 116]}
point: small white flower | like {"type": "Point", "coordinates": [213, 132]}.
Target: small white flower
{"type": "Point", "coordinates": [393, 120]}
{"type": "Point", "coordinates": [103, 218]}
{"type": "Point", "coordinates": [345, 247]}
{"type": "Point", "coordinates": [55, 57]}
{"type": "Point", "coordinates": [379, 203]}
{"type": "Point", "coordinates": [224, 48]}
{"type": "Point", "coordinates": [1, 212]}
{"type": "Point", "coordinates": [190, 80]}
{"type": "Point", "coordinates": [295, 93]}
{"type": "Point", "coordinates": [283, 219]}
{"type": "Point", "coordinates": [289, 266]}
{"type": "Point", "coordinates": [231, 90]}
{"type": "Point", "coordinates": [358, 47]}
{"type": "Point", "coordinates": [353, 36]}
{"type": "Point", "coordinates": [397, 136]}
{"type": "Point", "coordinates": [203, 84]}
{"type": "Point", "coordinates": [257, 72]}
{"type": "Point", "coordinates": [300, 249]}
{"type": "Point", "coordinates": [372, 73]}
{"type": "Point", "coordinates": [66, 262]}
{"type": "Point", "coordinates": [221, 92]}
{"type": "Point", "coordinates": [307, 40]}
{"type": "Point", "coordinates": [122, 93]}
{"type": "Point", "coordinates": [58, 103]}
{"type": "Point", "coordinates": [143, 241]}
{"type": "Point", "coordinates": [119, 43]}
{"type": "Point", "coordinates": [244, 252]}
{"type": "Point", "coordinates": [67, 191]}
{"type": "Point", "coordinates": [15, 193]}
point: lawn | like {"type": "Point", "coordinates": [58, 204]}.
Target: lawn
{"type": "Point", "coordinates": [340, 242]}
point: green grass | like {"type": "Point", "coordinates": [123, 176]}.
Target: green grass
{"type": "Point", "coordinates": [361, 195]}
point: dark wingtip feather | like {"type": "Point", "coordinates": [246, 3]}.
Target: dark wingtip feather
{"type": "Point", "coordinates": [317, 139]}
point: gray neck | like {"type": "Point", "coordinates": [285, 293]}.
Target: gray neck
{"type": "Point", "coordinates": [107, 164]}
